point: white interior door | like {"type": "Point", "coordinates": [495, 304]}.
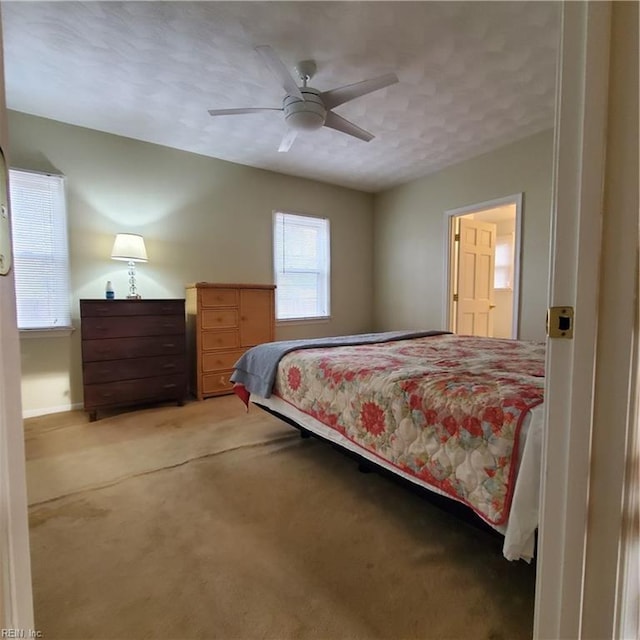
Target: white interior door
{"type": "Point", "coordinates": [507, 209]}
{"type": "Point", "coordinates": [476, 262]}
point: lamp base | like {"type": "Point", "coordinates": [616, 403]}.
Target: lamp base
{"type": "Point", "coordinates": [135, 296]}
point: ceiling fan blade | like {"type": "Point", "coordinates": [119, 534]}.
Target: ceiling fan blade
{"type": "Point", "coordinates": [334, 97]}
{"type": "Point", "coordinates": [287, 141]}
{"type": "Point", "coordinates": [233, 112]}
{"type": "Point", "coordinates": [279, 70]}
{"type": "Point", "coordinates": [334, 121]}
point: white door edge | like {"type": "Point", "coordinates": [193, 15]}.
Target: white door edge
{"type": "Point", "coordinates": [579, 147]}
{"type": "Point", "coordinates": [17, 606]}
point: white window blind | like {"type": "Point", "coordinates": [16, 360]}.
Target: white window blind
{"type": "Point", "coordinates": [301, 261]}
{"type": "Point", "coordinates": [40, 250]}
{"type": "Point", "coordinates": [503, 273]}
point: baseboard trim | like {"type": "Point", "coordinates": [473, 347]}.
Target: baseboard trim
{"type": "Point", "coordinates": [34, 413]}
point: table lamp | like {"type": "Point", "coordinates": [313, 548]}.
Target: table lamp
{"type": "Point", "coordinates": [130, 247]}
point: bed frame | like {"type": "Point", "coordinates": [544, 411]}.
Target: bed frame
{"type": "Point", "coordinates": [481, 397]}
{"type": "Point", "coordinates": [446, 504]}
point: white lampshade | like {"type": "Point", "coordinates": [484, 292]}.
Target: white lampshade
{"type": "Point", "coordinates": [130, 247]}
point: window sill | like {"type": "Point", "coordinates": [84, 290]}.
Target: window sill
{"type": "Point", "coordinates": [61, 332]}
{"type": "Point", "coordinates": [323, 320]}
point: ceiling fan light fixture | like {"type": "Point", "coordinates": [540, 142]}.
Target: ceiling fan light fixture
{"type": "Point", "coordinates": [305, 120]}
{"type": "Point", "coordinates": [306, 108]}
{"type": "Point", "coordinates": [305, 115]}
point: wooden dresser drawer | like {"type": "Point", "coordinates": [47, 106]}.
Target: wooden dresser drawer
{"type": "Point", "coordinates": [89, 308]}
{"type": "Point", "coordinates": [133, 351]}
{"type": "Point", "coordinates": [220, 340]}
{"type": "Point", "coordinates": [223, 321]}
{"type": "Point", "coordinates": [132, 391]}
{"type": "Point", "coordinates": [219, 319]}
{"type": "Point", "coordinates": [217, 382]}
{"type": "Point", "coordinates": [123, 326]}
{"type": "Point", "coordinates": [115, 348]}
{"type": "Point", "coordinates": [219, 297]}
{"type": "Point", "coordinates": [220, 360]}
{"type": "Point", "coordinates": [131, 368]}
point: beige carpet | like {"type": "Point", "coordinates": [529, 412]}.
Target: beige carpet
{"type": "Point", "coordinates": [206, 522]}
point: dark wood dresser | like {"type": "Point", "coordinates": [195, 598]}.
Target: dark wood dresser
{"type": "Point", "coordinates": [133, 352]}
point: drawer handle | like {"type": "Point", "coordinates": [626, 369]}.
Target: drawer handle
{"type": "Point", "coordinates": [169, 324]}
{"type": "Point", "coordinates": [171, 385]}
{"type": "Point", "coordinates": [106, 395]}
{"type": "Point", "coordinates": [168, 345]}
{"type": "Point", "coordinates": [169, 365]}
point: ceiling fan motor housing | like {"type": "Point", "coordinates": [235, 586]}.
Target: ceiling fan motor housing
{"type": "Point", "coordinates": [307, 114]}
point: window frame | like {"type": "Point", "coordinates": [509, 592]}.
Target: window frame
{"type": "Point", "coordinates": [51, 329]}
{"type": "Point", "coordinates": [326, 277]}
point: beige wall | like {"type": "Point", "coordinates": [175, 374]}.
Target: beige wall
{"type": "Point", "coordinates": [206, 219]}
{"type": "Point", "coordinates": [409, 232]}
{"type": "Point", "coordinates": [202, 219]}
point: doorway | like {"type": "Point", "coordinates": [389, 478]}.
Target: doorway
{"type": "Point", "coordinates": [482, 267]}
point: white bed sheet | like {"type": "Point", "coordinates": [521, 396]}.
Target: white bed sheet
{"type": "Point", "coordinates": [519, 532]}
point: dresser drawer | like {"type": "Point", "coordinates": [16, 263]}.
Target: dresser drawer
{"type": "Point", "coordinates": [115, 348]}
{"type": "Point", "coordinates": [112, 370]}
{"type": "Point", "coordinates": [218, 297]}
{"type": "Point", "coordinates": [218, 361]}
{"type": "Point", "coordinates": [220, 339]}
{"type": "Point", "coordinates": [223, 320]}
{"type": "Point", "coordinates": [122, 327]}
{"type": "Point", "coordinates": [99, 308]}
{"type": "Point", "coordinates": [217, 382]}
{"type": "Point", "coordinates": [219, 319]}
{"type": "Point", "coordinates": [132, 391]}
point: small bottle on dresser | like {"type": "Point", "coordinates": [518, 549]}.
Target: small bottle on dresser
{"type": "Point", "coordinates": [109, 293]}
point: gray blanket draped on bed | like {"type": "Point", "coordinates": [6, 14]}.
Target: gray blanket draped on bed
{"type": "Point", "coordinates": [256, 368]}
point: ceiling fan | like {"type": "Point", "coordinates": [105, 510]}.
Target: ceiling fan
{"type": "Point", "coordinates": [306, 108]}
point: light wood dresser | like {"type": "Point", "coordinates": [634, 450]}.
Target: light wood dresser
{"type": "Point", "coordinates": [223, 321]}
{"type": "Point", "coordinates": [133, 352]}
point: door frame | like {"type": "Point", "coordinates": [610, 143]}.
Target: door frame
{"type": "Point", "coordinates": [580, 137]}
{"type": "Point", "coordinates": [16, 599]}
{"type": "Point", "coordinates": [448, 232]}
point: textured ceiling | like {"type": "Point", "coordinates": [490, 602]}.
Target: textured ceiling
{"type": "Point", "coordinates": [473, 76]}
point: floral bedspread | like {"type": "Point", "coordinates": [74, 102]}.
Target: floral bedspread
{"type": "Point", "coordinates": [446, 409]}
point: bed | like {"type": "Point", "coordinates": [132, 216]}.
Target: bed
{"type": "Point", "coordinates": [461, 416]}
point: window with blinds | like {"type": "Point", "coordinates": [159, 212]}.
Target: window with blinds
{"type": "Point", "coordinates": [301, 264]}
{"type": "Point", "coordinates": [40, 250]}
{"type": "Point", "coordinates": [503, 270]}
